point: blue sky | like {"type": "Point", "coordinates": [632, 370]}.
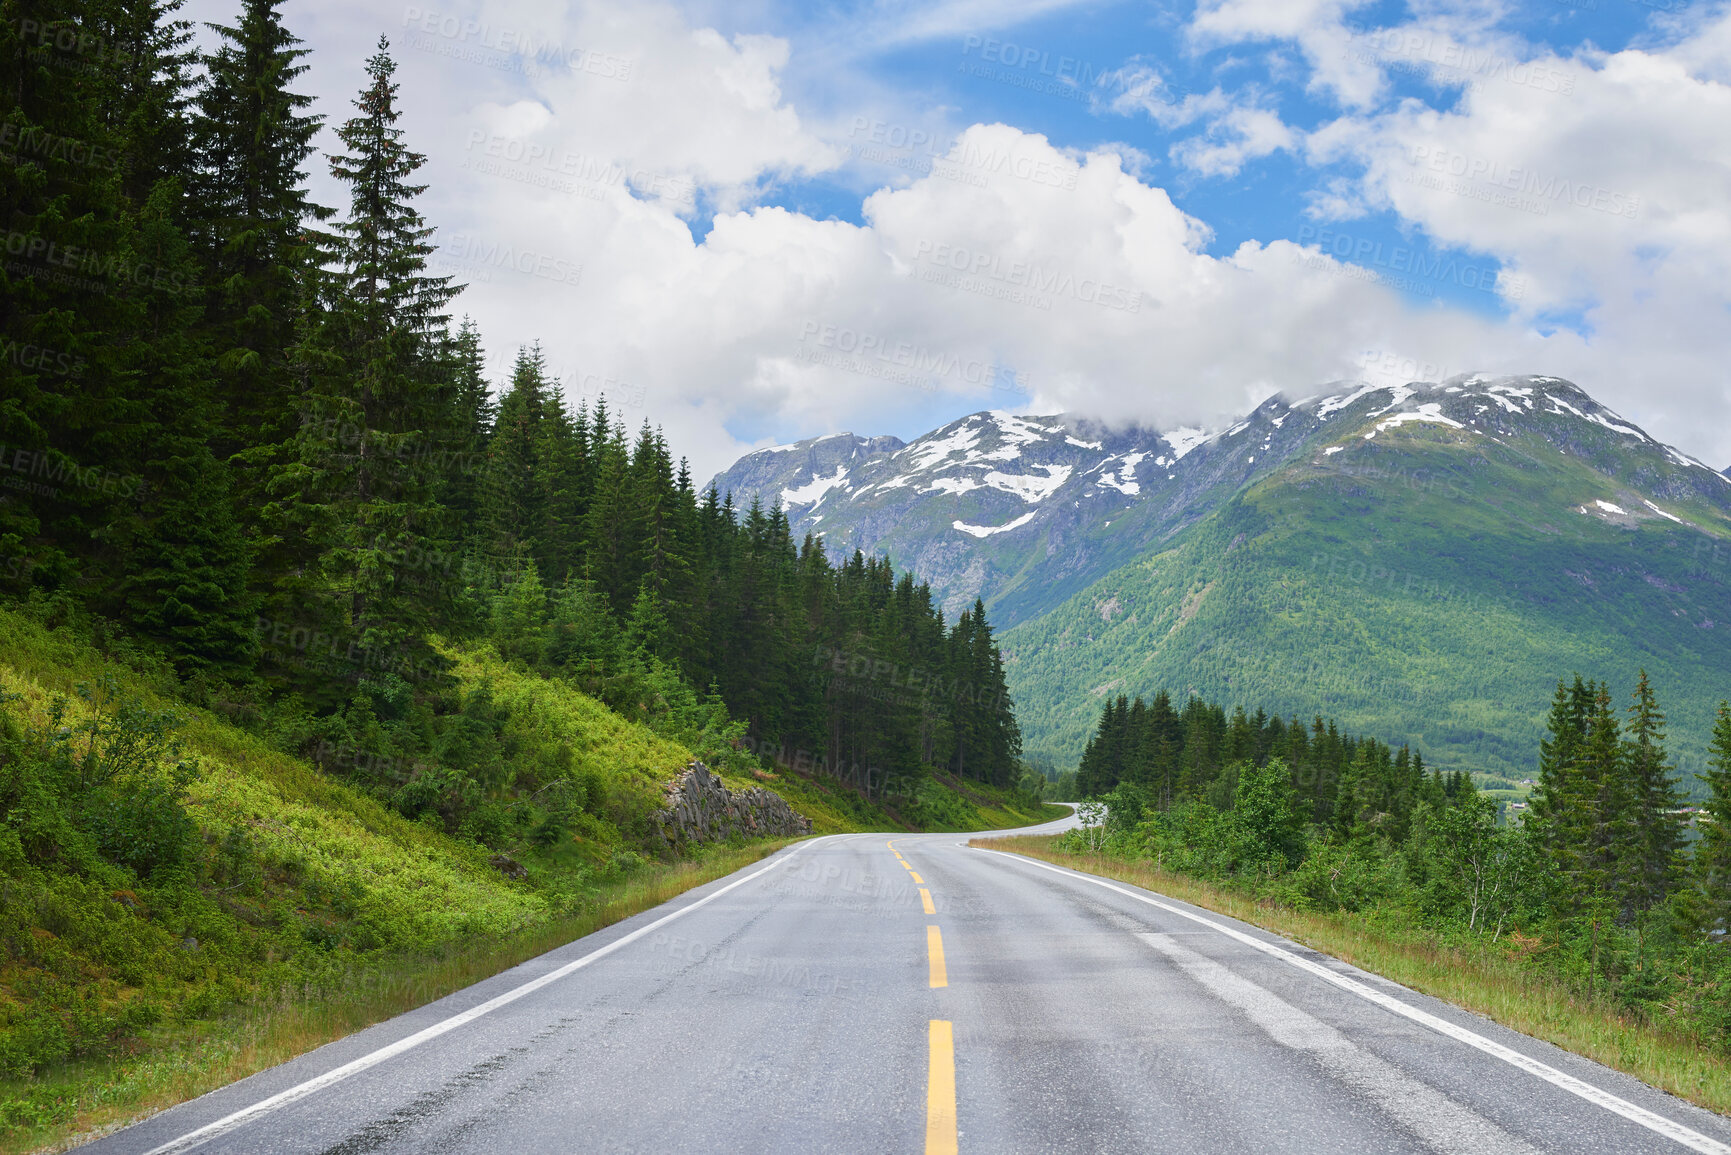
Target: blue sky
{"type": "Point", "coordinates": [780, 220]}
{"type": "Point", "coordinates": [1080, 50]}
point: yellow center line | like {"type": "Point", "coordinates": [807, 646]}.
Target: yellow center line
{"type": "Point", "coordinates": [915, 875]}
{"type": "Point", "coordinates": [926, 901]}
{"type": "Point", "coordinates": [935, 954]}
{"type": "Point", "coordinates": [941, 1090]}
{"type": "Point", "coordinates": [905, 866]}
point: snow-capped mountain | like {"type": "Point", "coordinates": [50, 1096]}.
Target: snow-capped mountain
{"type": "Point", "coordinates": [1024, 510]}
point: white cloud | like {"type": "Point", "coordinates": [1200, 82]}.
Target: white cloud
{"type": "Point", "coordinates": [1061, 269]}
{"type": "Point", "coordinates": [1316, 26]}
{"type": "Point", "coordinates": [1241, 135]}
{"type": "Point", "coordinates": [1611, 201]}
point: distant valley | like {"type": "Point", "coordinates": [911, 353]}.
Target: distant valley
{"type": "Point", "coordinates": [1420, 561]}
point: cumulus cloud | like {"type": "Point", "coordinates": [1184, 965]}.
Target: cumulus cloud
{"type": "Point", "coordinates": [1317, 27]}
{"type": "Point", "coordinates": [1608, 199]}
{"type": "Point", "coordinates": [606, 196]}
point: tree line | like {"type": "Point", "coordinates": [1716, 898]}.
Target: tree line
{"type": "Point", "coordinates": [1625, 890]}
{"type": "Point", "coordinates": [244, 430]}
{"type": "Point", "coordinates": [1163, 757]}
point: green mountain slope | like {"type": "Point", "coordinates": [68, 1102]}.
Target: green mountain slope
{"type": "Point", "coordinates": [1424, 580]}
{"type": "Point", "coordinates": [150, 891]}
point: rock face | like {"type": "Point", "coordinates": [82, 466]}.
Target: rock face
{"type": "Point", "coordinates": [701, 809]}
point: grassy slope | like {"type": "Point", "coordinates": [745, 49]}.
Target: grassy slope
{"type": "Point", "coordinates": [1359, 586]}
{"type": "Point", "coordinates": [1488, 980]}
{"type": "Point", "coordinates": [339, 898]}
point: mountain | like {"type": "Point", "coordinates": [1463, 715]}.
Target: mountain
{"type": "Point", "coordinates": [1019, 510]}
{"type": "Point", "coordinates": [1419, 561]}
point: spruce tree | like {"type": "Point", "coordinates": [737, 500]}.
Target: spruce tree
{"type": "Point", "coordinates": [515, 502]}
{"type": "Point", "coordinates": [475, 414]}
{"type": "Point", "coordinates": [362, 476]}
{"type": "Point", "coordinates": [254, 221]}
{"type": "Point", "coordinates": [1710, 902]}
{"type": "Point", "coordinates": [1648, 870]}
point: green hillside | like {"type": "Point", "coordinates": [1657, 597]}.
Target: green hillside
{"type": "Point", "coordinates": [168, 871]}
{"type": "Point", "coordinates": [1426, 586]}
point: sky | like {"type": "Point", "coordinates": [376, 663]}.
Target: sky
{"type": "Point", "coordinates": [752, 222]}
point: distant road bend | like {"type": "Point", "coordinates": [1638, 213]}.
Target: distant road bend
{"type": "Point", "coordinates": [868, 993]}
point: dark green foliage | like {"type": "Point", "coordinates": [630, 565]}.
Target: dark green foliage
{"type": "Point", "coordinates": [1594, 875]}
{"type": "Point", "coordinates": [1708, 900]}
{"type": "Point", "coordinates": [259, 466]}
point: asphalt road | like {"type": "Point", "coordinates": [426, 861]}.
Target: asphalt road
{"type": "Point", "coordinates": [818, 1002]}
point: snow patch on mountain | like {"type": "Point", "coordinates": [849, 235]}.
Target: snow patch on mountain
{"type": "Point", "coordinates": [1340, 401]}
{"type": "Point", "coordinates": [928, 453]}
{"type": "Point", "coordinates": [812, 492]}
{"type": "Point", "coordinates": [954, 485]}
{"type": "Point", "coordinates": [1030, 489]}
{"type": "Point", "coordinates": [1662, 513]}
{"type": "Point", "coordinates": [1429, 411]}
{"type": "Point", "coordinates": [1125, 481]}
{"type": "Point", "coordinates": [989, 530]}
{"type": "Point", "coordinates": [1184, 440]}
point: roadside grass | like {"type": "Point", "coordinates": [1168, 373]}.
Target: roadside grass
{"type": "Point", "coordinates": [80, 1102]}
{"type": "Point", "coordinates": [1487, 981]}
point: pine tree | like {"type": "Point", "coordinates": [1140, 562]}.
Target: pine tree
{"type": "Point", "coordinates": [514, 500]}
{"type": "Point", "coordinates": [254, 221]}
{"type": "Point", "coordinates": [1649, 860]}
{"type": "Point", "coordinates": [1710, 900]}
{"type": "Point", "coordinates": [476, 412]}
{"type": "Point", "coordinates": [362, 475]}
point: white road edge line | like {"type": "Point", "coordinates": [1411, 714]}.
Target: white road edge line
{"type": "Point", "coordinates": [1688, 1137]}
{"type": "Point", "coordinates": [228, 1123]}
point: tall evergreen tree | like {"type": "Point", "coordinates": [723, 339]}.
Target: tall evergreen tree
{"type": "Point", "coordinates": [1655, 827]}
{"type": "Point", "coordinates": [515, 500]}
{"type": "Point", "coordinates": [1710, 900]}
{"type": "Point", "coordinates": [362, 478]}
{"type": "Point", "coordinates": [254, 220]}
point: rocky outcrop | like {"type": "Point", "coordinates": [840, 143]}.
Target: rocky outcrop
{"type": "Point", "coordinates": [701, 809]}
